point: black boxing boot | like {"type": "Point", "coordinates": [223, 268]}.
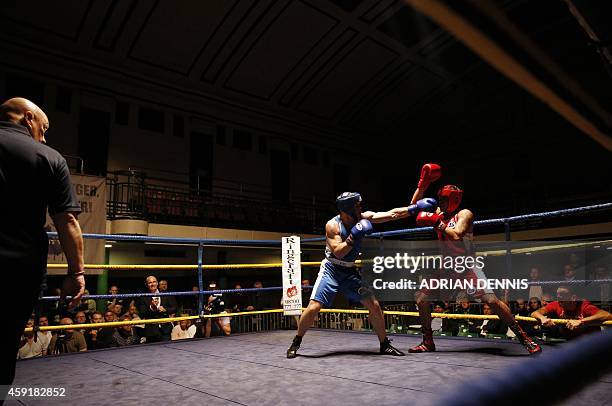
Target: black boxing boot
{"type": "Point", "coordinates": [531, 346]}
{"type": "Point", "coordinates": [427, 345]}
{"type": "Point", "coordinates": [387, 349]}
{"type": "Point", "coordinates": [295, 345]}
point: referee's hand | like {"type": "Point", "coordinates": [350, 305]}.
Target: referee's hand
{"type": "Point", "coordinates": [73, 285]}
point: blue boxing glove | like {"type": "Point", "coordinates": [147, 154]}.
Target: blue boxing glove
{"type": "Point", "coordinates": [359, 230]}
{"type": "Point", "coordinates": [427, 204]}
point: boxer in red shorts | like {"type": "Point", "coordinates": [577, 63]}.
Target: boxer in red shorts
{"type": "Point", "coordinates": [454, 228]}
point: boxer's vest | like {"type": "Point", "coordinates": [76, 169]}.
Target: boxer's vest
{"type": "Point", "coordinates": [353, 254]}
{"type": "Point", "coordinates": [463, 247]}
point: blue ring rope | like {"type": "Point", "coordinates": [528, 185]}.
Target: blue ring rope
{"type": "Point", "coordinates": [277, 243]}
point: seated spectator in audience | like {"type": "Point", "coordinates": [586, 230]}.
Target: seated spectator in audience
{"type": "Point", "coordinates": [604, 292]}
{"type": "Point", "coordinates": [117, 309]}
{"type": "Point", "coordinates": [114, 290]}
{"type": "Point", "coordinates": [584, 316]}
{"type": "Point", "coordinates": [521, 308]}
{"type": "Point", "coordinates": [534, 304]}
{"type": "Point", "coordinates": [81, 318]}
{"type": "Point", "coordinates": [30, 348]}
{"type": "Point", "coordinates": [545, 299]}
{"type": "Point", "coordinates": [110, 316]}
{"type": "Point", "coordinates": [138, 328]}
{"type": "Point", "coordinates": [569, 273]}
{"type": "Point", "coordinates": [257, 300]}
{"type": "Point", "coordinates": [239, 300]}
{"type": "Point", "coordinates": [88, 306]}
{"type": "Point", "coordinates": [184, 329]}
{"type": "Point", "coordinates": [68, 340]}
{"type": "Point", "coordinates": [155, 307]}
{"type": "Point", "coordinates": [101, 337]}
{"type": "Point", "coordinates": [492, 326]}
{"type": "Point", "coordinates": [124, 335]}
{"type": "Point", "coordinates": [440, 324]}
{"type": "Point", "coordinates": [44, 336]}
{"type": "Point", "coordinates": [191, 302]}
{"type": "Point", "coordinates": [171, 300]}
{"type": "Point", "coordinates": [463, 307]}
{"type": "Point", "coordinates": [535, 289]}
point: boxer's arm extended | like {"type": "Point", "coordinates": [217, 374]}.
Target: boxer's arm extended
{"type": "Point", "coordinates": [384, 216]}
{"type": "Point", "coordinates": [334, 240]}
{"type": "Point", "coordinates": [400, 212]}
{"type": "Point", "coordinates": [465, 218]}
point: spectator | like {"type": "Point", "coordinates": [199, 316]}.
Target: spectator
{"type": "Point", "coordinates": [117, 309]}
{"type": "Point", "coordinates": [569, 273]}
{"type": "Point", "coordinates": [97, 338]}
{"type": "Point", "coordinates": [124, 335]}
{"type": "Point", "coordinates": [44, 336]}
{"type": "Point", "coordinates": [584, 316]}
{"type": "Point", "coordinates": [110, 316]}
{"type": "Point", "coordinates": [154, 308]}
{"type": "Point", "coordinates": [441, 324]}
{"type": "Point", "coordinates": [521, 308]}
{"type": "Point", "coordinates": [87, 305]}
{"type": "Point", "coordinates": [492, 326]}
{"type": "Point", "coordinates": [34, 180]}
{"type": "Point", "coordinates": [30, 348]}
{"type": "Point", "coordinates": [534, 304]}
{"type": "Point", "coordinates": [184, 329]}
{"type": "Point", "coordinates": [601, 272]}
{"type": "Point", "coordinates": [239, 300]}
{"type": "Point", "coordinates": [535, 289]}
{"type": "Point", "coordinates": [81, 318]}
{"type": "Point", "coordinates": [68, 340]}
{"type": "Point", "coordinates": [257, 299]}
{"type": "Point", "coordinates": [138, 328]}
{"type": "Point", "coordinates": [546, 299]}
{"type": "Point", "coordinates": [190, 303]}
{"type": "Point", "coordinates": [463, 326]}
{"type": "Point", "coordinates": [171, 302]}
{"type": "Point", "coordinates": [114, 290]}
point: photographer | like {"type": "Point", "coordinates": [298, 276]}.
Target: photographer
{"type": "Point", "coordinates": [68, 340]}
{"type": "Point", "coordinates": [216, 305]}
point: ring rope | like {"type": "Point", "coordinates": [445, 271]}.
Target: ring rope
{"type": "Point", "coordinates": [358, 262]}
{"type": "Point", "coordinates": [273, 288]}
{"type": "Point", "coordinates": [183, 267]}
{"type": "Point", "coordinates": [248, 313]}
{"type": "Point", "coordinates": [277, 243]}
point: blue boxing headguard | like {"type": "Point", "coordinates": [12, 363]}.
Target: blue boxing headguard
{"type": "Point", "coordinates": [347, 203]}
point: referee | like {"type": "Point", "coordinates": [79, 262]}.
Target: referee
{"type": "Point", "coordinates": [33, 178]}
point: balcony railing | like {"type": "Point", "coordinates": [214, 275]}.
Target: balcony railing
{"type": "Point", "coordinates": [132, 195]}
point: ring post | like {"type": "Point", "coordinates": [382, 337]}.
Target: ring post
{"type": "Point", "coordinates": [508, 248]}
{"type": "Point", "coordinates": [200, 278]}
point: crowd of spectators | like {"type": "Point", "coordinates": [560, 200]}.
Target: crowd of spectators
{"type": "Point", "coordinates": [149, 307]}
{"type": "Point", "coordinates": [541, 301]}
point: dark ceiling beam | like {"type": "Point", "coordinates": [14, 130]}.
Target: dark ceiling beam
{"type": "Point", "coordinates": [505, 63]}
{"type": "Point", "coordinates": [535, 52]}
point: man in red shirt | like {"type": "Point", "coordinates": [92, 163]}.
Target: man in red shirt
{"type": "Point", "coordinates": [584, 316]}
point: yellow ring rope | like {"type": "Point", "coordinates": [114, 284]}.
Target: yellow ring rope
{"type": "Point", "coordinates": [341, 311]}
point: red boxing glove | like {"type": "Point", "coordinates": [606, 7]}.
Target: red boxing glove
{"type": "Point", "coordinates": [429, 173]}
{"type": "Point", "coordinates": [426, 219]}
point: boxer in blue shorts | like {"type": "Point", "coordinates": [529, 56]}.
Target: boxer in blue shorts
{"type": "Point", "coordinates": [338, 272]}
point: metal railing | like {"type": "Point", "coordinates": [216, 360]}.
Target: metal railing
{"type": "Point", "coordinates": [130, 194]}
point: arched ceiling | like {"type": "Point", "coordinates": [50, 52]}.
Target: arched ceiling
{"type": "Point", "coordinates": [361, 66]}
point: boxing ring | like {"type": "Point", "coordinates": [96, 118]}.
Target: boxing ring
{"type": "Point", "coordinates": [338, 367]}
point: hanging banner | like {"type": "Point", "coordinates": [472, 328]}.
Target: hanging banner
{"type": "Point", "coordinates": [91, 193]}
{"type": "Point", "coordinates": [292, 276]}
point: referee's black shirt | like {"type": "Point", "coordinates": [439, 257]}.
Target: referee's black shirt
{"type": "Point", "coordinates": [33, 177]}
